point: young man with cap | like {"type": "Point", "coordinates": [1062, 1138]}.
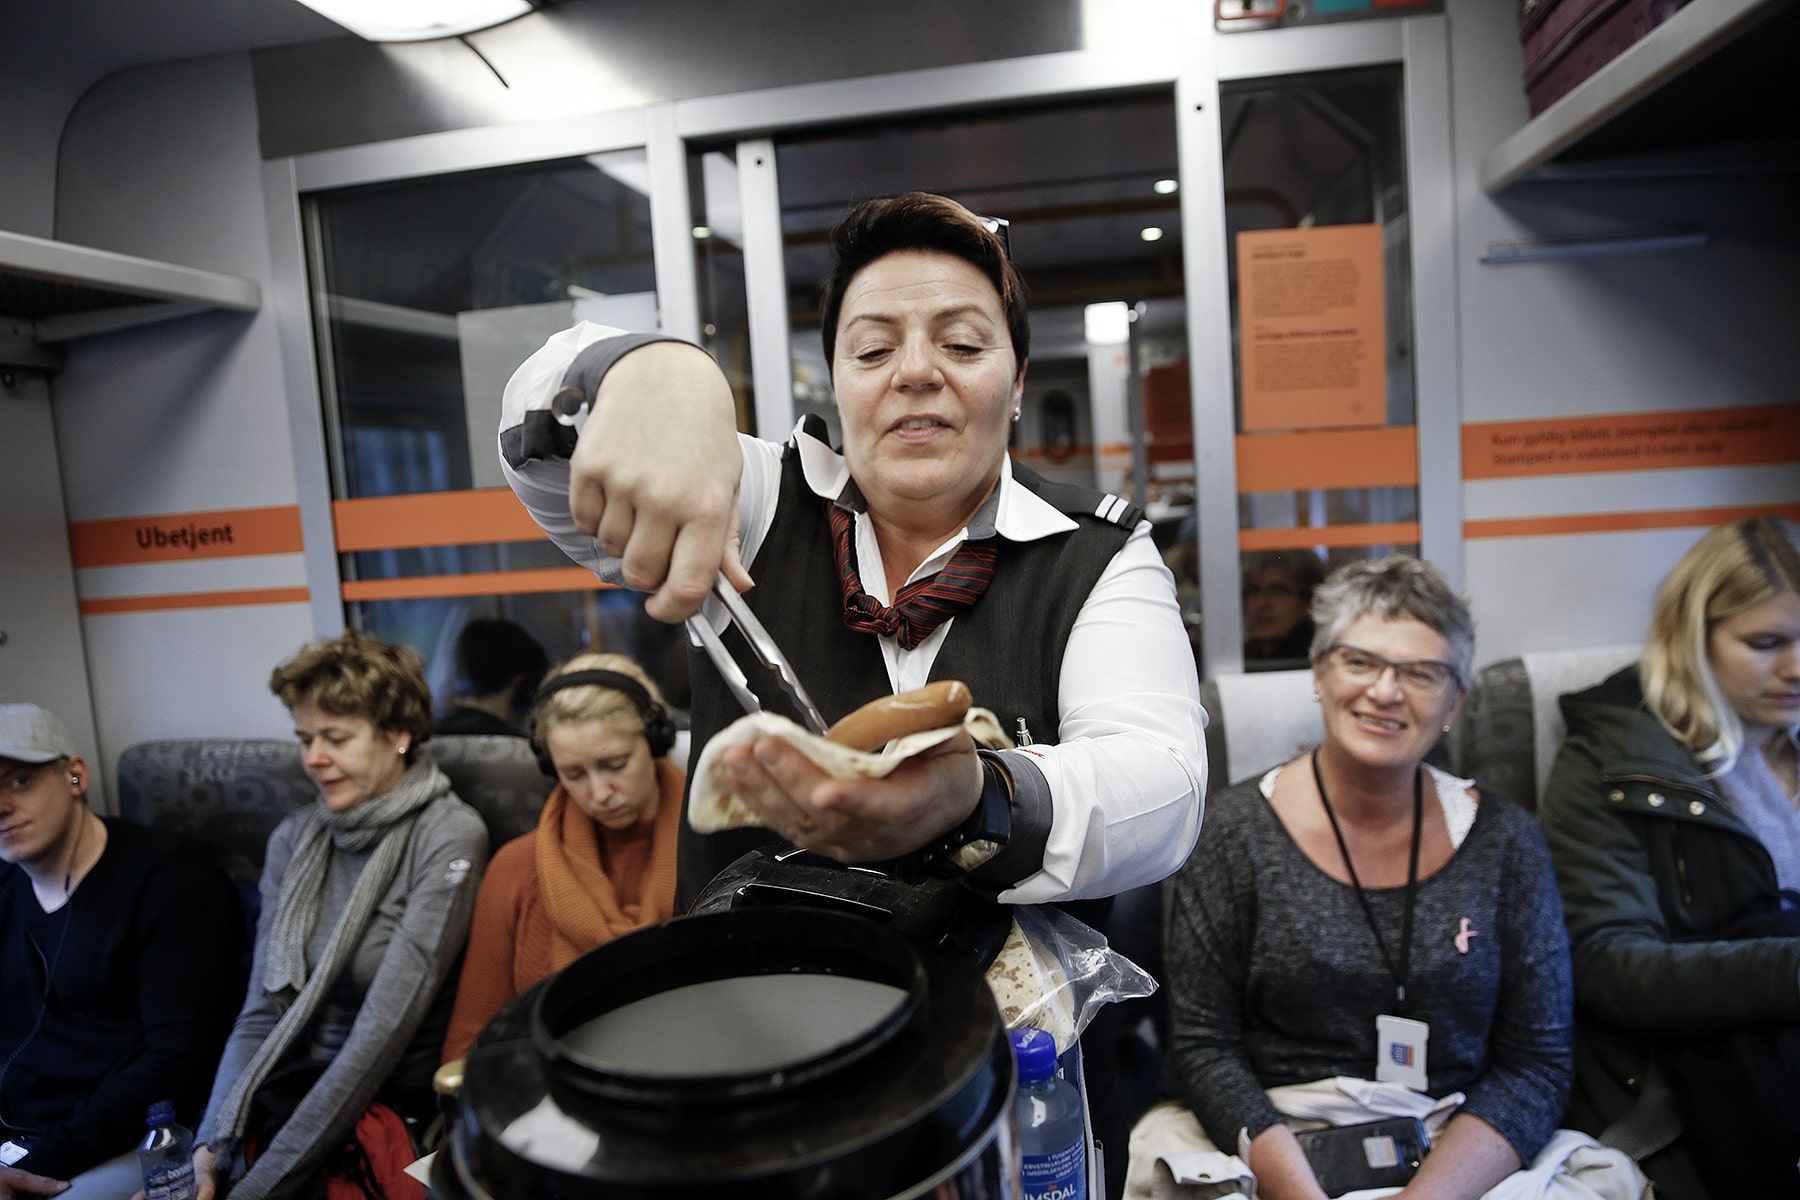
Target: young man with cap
{"type": "Point", "coordinates": [120, 951]}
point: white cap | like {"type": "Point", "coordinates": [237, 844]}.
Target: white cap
{"type": "Point", "coordinates": [31, 734]}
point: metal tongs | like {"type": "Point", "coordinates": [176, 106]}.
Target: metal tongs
{"type": "Point", "coordinates": [766, 650]}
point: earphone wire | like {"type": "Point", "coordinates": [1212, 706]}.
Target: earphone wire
{"type": "Point", "coordinates": [74, 854]}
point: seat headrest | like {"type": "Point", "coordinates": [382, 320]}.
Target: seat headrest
{"type": "Point", "coordinates": [230, 793]}
{"type": "Point", "coordinates": [1553, 674]}
{"type": "Point", "coordinates": [1261, 720]}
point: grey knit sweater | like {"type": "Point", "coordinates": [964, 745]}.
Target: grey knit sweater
{"type": "Point", "coordinates": [386, 1015]}
{"type": "Point", "coordinates": [1275, 977]}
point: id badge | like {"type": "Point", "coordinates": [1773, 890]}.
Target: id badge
{"type": "Point", "coordinates": [1400, 1051]}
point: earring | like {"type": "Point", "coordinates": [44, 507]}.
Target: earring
{"type": "Point", "coordinates": [1446, 729]}
{"type": "Point", "coordinates": [1017, 412]}
{"type": "Point", "coordinates": [1315, 697]}
{"type": "Point", "coordinates": [75, 779]}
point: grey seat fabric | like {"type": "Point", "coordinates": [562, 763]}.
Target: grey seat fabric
{"type": "Point", "coordinates": [226, 793]}
{"type": "Point", "coordinates": [1493, 734]}
{"type": "Point", "coordinates": [496, 776]}
{"type": "Point", "coordinates": [1509, 731]}
{"type": "Point", "coordinates": [230, 793]}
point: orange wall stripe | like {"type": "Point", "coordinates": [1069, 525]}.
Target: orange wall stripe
{"type": "Point", "coordinates": [176, 537]}
{"type": "Point", "coordinates": [1622, 522]}
{"type": "Point", "coordinates": [1395, 533]}
{"type": "Point", "coordinates": [177, 600]}
{"type": "Point", "coordinates": [1697, 437]}
{"type": "Point", "coordinates": [432, 519]}
{"type": "Point", "coordinates": [1330, 458]}
{"type": "Point", "coordinates": [486, 583]}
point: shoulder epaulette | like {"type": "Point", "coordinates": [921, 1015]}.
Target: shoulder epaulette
{"type": "Point", "coordinates": [1081, 501]}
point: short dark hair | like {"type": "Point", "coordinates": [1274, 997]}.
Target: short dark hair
{"type": "Point", "coordinates": [875, 229]}
{"type": "Point", "coordinates": [491, 652]}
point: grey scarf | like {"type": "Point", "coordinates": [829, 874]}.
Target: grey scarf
{"type": "Point", "coordinates": [385, 823]}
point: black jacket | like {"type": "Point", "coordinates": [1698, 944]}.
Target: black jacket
{"type": "Point", "coordinates": [146, 956]}
{"type": "Point", "coordinates": [1652, 866]}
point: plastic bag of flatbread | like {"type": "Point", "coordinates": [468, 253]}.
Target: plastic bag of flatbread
{"type": "Point", "coordinates": [714, 806]}
{"type": "Point", "coordinates": [1054, 973]}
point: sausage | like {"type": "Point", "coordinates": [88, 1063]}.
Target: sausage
{"type": "Point", "coordinates": [879, 722]}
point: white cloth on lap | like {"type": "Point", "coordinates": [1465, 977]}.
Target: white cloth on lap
{"type": "Point", "coordinates": [1171, 1158]}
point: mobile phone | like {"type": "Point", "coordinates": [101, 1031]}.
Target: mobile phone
{"type": "Point", "coordinates": [1382, 1153]}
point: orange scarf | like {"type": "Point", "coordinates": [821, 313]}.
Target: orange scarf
{"type": "Point", "coordinates": [585, 908]}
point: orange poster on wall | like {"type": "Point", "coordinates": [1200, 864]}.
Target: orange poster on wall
{"type": "Point", "coordinates": [1652, 441]}
{"type": "Point", "coordinates": [1311, 327]}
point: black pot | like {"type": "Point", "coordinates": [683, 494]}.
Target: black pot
{"type": "Point", "coordinates": [786, 1053]}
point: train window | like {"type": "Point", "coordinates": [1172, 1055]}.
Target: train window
{"type": "Point", "coordinates": [427, 294]}
{"type": "Point", "coordinates": [1317, 231]}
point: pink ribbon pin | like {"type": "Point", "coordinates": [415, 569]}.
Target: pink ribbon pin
{"type": "Point", "coordinates": [1463, 934]}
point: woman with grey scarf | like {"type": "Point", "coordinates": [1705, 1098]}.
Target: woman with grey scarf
{"type": "Point", "coordinates": [367, 895]}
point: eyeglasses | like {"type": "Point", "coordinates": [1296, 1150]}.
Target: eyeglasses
{"type": "Point", "coordinates": [1420, 676]}
{"type": "Point", "coordinates": [999, 227]}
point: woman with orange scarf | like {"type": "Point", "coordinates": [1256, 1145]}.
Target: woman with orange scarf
{"type": "Point", "coordinates": [602, 859]}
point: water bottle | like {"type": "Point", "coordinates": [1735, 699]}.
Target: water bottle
{"type": "Point", "coordinates": [166, 1156]}
{"type": "Point", "coordinates": [1052, 1136]}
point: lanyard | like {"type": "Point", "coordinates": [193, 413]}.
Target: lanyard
{"type": "Point", "coordinates": [1401, 972]}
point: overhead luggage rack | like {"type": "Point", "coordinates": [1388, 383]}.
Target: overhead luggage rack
{"type": "Point", "coordinates": [1710, 89]}
{"type": "Point", "coordinates": [53, 292]}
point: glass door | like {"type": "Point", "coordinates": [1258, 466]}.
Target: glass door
{"type": "Point", "coordinates": [1091, 192]}
{"type": "Point", "coordinates": [428, 293]}
{"type": "Point", "coordinates": [1319, 254]}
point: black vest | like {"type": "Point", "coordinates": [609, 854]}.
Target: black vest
{"type": "Point", "coordinates": [1008, 647]}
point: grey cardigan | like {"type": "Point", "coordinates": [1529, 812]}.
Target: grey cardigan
{"type": "Point", "coordinates": [388, 1012]}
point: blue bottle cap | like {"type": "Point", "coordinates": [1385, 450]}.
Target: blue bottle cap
{"type": "Point", "coordinates": [161, 1113]}
{"type": "Point", "coordinates": [1035, 1052]}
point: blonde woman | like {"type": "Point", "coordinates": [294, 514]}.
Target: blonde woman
{"type": "Point", "coordinates": [1671, 816]}
{"type": "Point", "coordinates": [602, 859]}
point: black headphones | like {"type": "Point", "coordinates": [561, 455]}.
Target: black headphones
{"type": "Point", "coordinates": [659, 729]}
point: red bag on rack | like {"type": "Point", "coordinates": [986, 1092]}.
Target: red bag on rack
{"type": "Point", "coordinates": [1566, 41]}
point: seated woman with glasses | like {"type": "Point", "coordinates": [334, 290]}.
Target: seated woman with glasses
{"type": "Point", "coordinates": [1278, 592]}
{"type": "Point", "coordinates": [1380, 920]}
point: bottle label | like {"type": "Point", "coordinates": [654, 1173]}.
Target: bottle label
{"type": "Point", "coordinates": [171, 1183]}
{"type": "Point", "coordinates": [1058, 1176]}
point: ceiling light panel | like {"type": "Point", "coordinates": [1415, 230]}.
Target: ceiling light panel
{"type": "Point", "coordinates": [417, 20]}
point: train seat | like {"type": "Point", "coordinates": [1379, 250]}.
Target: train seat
{"type": "Point", "coordinates": [1509, 731]}
{"type": "Point", "coordinates": [230, 793]}
{"type": "Point", "coordinates": [1257, 721]}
